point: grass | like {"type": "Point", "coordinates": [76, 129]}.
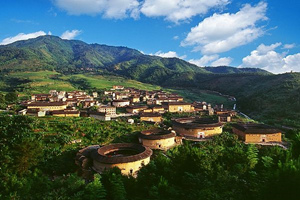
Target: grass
{"type": "Point", "coordinates": [34, 75]}
{"type": "Point", "coordinates": [204, 95]}
{"type": "Point", "coordinates": [43, 81]}
{"type": "Point", "coordinates": [106, 82]}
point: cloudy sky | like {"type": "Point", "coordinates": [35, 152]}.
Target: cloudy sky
{"type": "Point", "coordinates": [240, 33]}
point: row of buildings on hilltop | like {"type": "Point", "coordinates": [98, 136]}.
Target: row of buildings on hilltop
{"type": "Point", "coordinates": [149, 105]}
{"type": "Point", "coordinates": [133, 95]}
{"type": "Point", "coordinates": [59, 103]}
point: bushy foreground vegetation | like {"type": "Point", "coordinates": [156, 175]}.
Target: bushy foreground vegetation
{"type": "Point", "coordinates": [37, 162]}
{"type": "Point", "coordinates": [10, 97]}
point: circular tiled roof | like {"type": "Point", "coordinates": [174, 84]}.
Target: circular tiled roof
{"type": "Point", "coordinates": [141, 152]}
{"type": "Point", "coordinates": [196, 122]}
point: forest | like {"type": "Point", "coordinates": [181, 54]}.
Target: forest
{"type": "Point", "coordinates": [37, 162]}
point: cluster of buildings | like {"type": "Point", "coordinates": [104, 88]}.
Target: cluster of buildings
{"type": "Point", "coordinates": [149, 106]}
{"type": "Point", "coordinates": [58, 103]}
{"type": "Point", "coordinates": [129, 158]}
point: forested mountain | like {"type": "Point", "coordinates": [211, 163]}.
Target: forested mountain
{"type": "Point", "coordinates": [233, 70]}
{"type": "Point", "coordinates": [264, 97]}
{"type": "Point", "coordinates": [51, 52]}
{"type": "Point", "coordinates": [258, 92]}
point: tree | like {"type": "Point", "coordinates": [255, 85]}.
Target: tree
{"type": "Point", "coordinates": [284, 181]}
{"type": "Point", "coordinates": [2, 101]}
{"type": "Point", "coordinates": [296, 145]}
{"type": "Point", "coordinates": [2, 98]}
{"type": "Point", "coordinates": [27, 154]}
{"type": "Point", "coordinates": [114, 185]}
{"type": "Point", "coordinates": [11, 97]}
{"type": "Point", "coordinates": [95, 190]}
{"type": "Point", "coordinates": [3, 105]}
{"type": "Point", "coordinates": [252, 153]}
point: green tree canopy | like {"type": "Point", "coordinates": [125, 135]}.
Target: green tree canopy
{"type": "Point", "coordinates": [11, 97]}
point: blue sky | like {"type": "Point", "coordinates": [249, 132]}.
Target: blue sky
{"type": "Point", "coordinates": [263, 34]}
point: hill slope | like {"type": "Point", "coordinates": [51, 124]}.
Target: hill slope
{"type": "Point", "coordinates": [53, 53]}
{"type": "Point", "coordinates": [50, 52]}
{"type": "Point", "coordinates": [258, 92]}
{"type": "Point", "coordinates": [234, 70]}
{"type": "Point", "coordinates": [269, 98]}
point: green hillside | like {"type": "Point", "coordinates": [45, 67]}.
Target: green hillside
{"type": "Point", "coordinates": [43, 81]}
{"type": "Point", "coordinates": [69, 56]}
{"type": "Point", "coordinates": [234, 70]}
{"type": "Point", "coordinates": [26, 83]}
{"type": "Point", "coordinates": [271, 98]}
{"type": "Point", "coordinates": [71, 64]}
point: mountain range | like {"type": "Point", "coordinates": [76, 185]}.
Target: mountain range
{"type": "Point", "coordinates": [258, 92]}
{"type": "Point", "coordinates": [51, 52]}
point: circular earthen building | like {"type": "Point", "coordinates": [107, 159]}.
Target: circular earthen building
{"type": "Point", "coordinates": [159, 139]}
{"type": "Point", "coordinates": [129, 158]}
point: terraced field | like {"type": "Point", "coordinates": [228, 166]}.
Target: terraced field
{"type": "Point", "coordinates": [27, 83]}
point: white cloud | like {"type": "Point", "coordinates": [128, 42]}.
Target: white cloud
{"type": "Point", "coordinates": [204, 61]}
{"type": "Point", "coordinates": [292, 63]}
{"type": "Point", "coordinates": [223, 32]}
{"type": "Point", "coordinates": [288, 46]}
{"type": "Point", "coordinates": [108, 8]}
{"type": "Point", "coordinates": [179, 10]}
{"type": "Point", "coordinates": [170, 54]}
{"type": "Point", "coordinates": [69, 35]}
{"type": "Point", "coordinates": [264, 49]}
{"type": "Point", "coordinates": [267, 58]}
{"type": "Point", "coordinates": [172, 10]}
{"type": "Point", "coordinates": [22, 36]}
{"type": "Point", "coordinates": [225, 61]}
{"type": "Point", "coordinates": [211, 60]}
{"type": "Point", "coordinates": [176, 37]}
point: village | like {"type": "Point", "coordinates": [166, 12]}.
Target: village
{"type": "Point", "coordinates": [202, 123]}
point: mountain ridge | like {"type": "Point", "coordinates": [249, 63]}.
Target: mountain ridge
{"type": "Point", "coordinates": [51, 52]}
{"type": "Point", "coordinates": [232, 70]}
